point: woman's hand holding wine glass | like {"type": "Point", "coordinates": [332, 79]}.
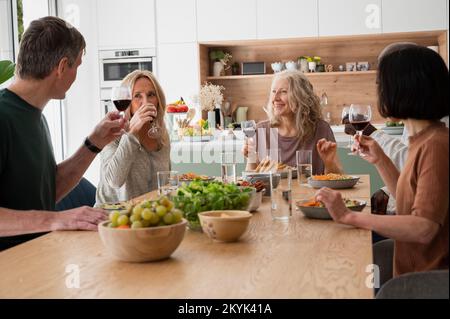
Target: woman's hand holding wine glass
{"type": "Point", "coordinates": [145, 114]}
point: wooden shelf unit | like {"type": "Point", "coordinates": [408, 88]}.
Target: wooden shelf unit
{"type": "Point", "coordinates": [342, 88]}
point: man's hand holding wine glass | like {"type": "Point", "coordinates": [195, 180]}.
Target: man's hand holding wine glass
{"type": "Point", "coordinates": [112, 126]}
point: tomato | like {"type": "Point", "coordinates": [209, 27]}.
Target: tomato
{"type": "Point", "coordinates": [183, 108]}
{"type": "Point", "coordinates": [123, 227]}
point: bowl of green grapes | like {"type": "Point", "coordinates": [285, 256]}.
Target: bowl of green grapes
{"type": "Point", "coordinates": [152, 230]}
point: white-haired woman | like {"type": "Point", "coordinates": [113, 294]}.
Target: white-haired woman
{"type": "Point", "coordinates": [130, 163]}
{"type": "Point", "coordinates": [294, 110]}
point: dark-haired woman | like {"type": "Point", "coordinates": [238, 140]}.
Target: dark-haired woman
{"type": "Point", "coordinates": [412, 86]}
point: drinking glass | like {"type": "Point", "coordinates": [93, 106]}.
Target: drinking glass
{"type": "Point", "coordinates": [281, 196]}
{"type": "Point", "coordinates": [121, 97]}
{"type": "Point", "coordinates": [167, 182]}
{"type": "Point", "coordinates": [345, 120]}
{"type": "Point", "coordinates": [304, 166]}
{"type": "Point", "coordinates": [228, 167]}
{"type": "Point", "coordinates": [359, 117]}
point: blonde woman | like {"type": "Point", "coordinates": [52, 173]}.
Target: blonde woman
{"type": "Point", "coordinates": [294, 111]}
{"type": "Point", "coordinates": [130, 163]}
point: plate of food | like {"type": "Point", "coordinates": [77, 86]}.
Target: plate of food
{"type": "Point", "coordinates": [189, 177]}
{"type": "Point", "coordinates": [267, 165]}
{"type": "Point", "coordinates": [317, 210]}
{"type": "Point", "coordinates": [121, 206]}
{"type": "Point", "coordinates": [335, 181]}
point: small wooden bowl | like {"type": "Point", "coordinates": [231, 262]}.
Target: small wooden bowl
{"type": "Point", "coordinates": [142, 244]}
{"type": "Point", "coordinates": [226, 229]}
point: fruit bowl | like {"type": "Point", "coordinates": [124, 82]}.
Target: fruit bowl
{"type": "Point", "coordinates": [142, 244]}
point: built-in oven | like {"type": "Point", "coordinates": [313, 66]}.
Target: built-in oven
{"type": "Point", "coordinates": [116, 64]}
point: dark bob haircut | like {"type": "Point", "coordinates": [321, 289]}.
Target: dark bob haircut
{"type": "Point", "coordinates": [413, 83]}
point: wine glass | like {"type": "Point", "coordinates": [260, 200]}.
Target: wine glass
{"type": "Point", "coordinates": [153, 131]}
{"type": "Point", "coordinates": [249, 128]}
{"type": "Point", "coordinates": [359, 117]}
{"type": "Point", "coordinates": [121, 97]}
{"type": "Point", "coordinates": [345, 120]}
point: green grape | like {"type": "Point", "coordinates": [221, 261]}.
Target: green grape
{"type": "Point", "coordinates": [111, 225]}
{"type": "Point", "coordinates": [161, 210]}
{"type": "Point", "coordinates": [113, 216]}
{"type": "Point", "coordinates": [137, 210]}
{"type": "Point", "coordinates": [168, 218]}
{"type": "Point", "coordinates": [146, 214]}
{"type": "Point", "coordinates": [154, 219]}
{"type": "Point", "coordinates": [177, 215]}
{"type": "Point", "coordinates": [122, 220]}
{"type": "Point", "coordinates": [137, 216]}
{"type": "Point", "coordinates": [161, 223]}
{"type": "Point", "coordinates": [145, 223]}
{"type": "Point", "coordinates": [136, 224]}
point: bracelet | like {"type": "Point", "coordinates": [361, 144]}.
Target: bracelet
{"type": "Point", "coordinates": [91, 147]}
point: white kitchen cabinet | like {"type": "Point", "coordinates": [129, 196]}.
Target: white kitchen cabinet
{"type": "Point", "coordinates": [124, 24]}
{"type": "Point", "coordinates": [287, 19]}
{"type": "Point", "coordinates": [178, 66]}
{"type": "Point", "coordinates": [348, 17]}
{"type": "Point", "coordinates": [231, 20]}
{"type": "Point", "coordinates": [176, 21]}
{"type": "Point", "coordinates": [414, 15]}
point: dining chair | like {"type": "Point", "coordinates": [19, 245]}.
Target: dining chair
{"type": "Point", "coordinates": [432, 284]}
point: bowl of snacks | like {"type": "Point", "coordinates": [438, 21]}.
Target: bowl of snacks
{"type": "Point", "coordinates": [225, 226]}
{"type": "Point", "coordinates": [200, 196]}
{"type": "Point", "coordinates": [317, 210]}
{"type": "Point", "coordinates": [150, 231]}
{"type": "Point", "coordinates": [256, 196]}
{"type": "Point", "coordinates": [335, 181]}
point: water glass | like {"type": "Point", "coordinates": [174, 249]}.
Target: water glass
{"type": "Point", "coordinates": [228, 167]}
{"type": "Point", "coordinates": [167, 182]}
{"type": "Point", "coordinates": [304, 166]}
{"type": "Point", "coordinates": [281, 196]}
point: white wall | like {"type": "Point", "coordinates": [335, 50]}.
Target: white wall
{"type": "Point", "coordinates": [6, 50]}
{"type": "Point", "coordinates": [82, 104]}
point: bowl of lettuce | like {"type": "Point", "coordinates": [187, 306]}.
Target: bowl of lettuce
{"type": "Point", "coordinates": [201, 196]}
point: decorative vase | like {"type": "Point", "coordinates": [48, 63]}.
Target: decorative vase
{"type": "Point", "coordinates": [218, 68]}
{"type": "Point", "coordinates": [212, 119]}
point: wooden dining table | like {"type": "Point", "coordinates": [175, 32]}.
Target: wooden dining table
{"type": "Point", "coordinates": [301, 258]}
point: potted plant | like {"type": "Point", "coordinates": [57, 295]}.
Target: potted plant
{"type": "Point", "coordinates": [221, 60]}
{"type": "Point", "coordinates": [312, 63]}
{"type": "Point", "coordinates": [6, 70]}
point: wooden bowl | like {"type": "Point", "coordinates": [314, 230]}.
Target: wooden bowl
{"type": "Point", "coordinates": [142, 244]}
{"type": "Point", "coordinates": [225, 225]}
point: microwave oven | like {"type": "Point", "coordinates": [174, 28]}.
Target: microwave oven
{"type": "Point", "coordinates": [116, 64]}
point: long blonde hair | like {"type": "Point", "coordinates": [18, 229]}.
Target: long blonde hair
{"type": "Point", "coordinates": [303, 102]}
{"type": "Point", "coordinates": [131, 79]}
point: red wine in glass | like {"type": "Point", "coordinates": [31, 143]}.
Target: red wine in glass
{"type": "Point", "coordinates": [122, 105]}
{"type": "Point", "coordinates": [359, 116]}
{"type": "Point", "coordinates": [360, 125]}
{"type": "Point", "coordinates": [121, 97]}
